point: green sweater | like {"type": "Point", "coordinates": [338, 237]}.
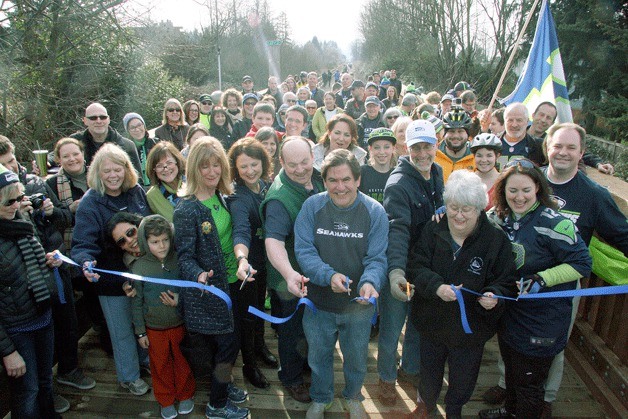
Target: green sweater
{"type": "Point", "coordinates": [292, 198]}
{"type": "Point", "coordinates": [148, 310]}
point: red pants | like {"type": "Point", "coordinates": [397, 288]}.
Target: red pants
{"type": "Point", "coordinates": [171, 374]}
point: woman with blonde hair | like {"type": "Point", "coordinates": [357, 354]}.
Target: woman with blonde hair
{"type": "Point", "coordinates": [204, 245]}
{"type": "Point", "coordinates": [113, 187]}
{"type": "Point", "coordinates": [173, 127]}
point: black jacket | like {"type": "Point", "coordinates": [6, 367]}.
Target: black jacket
{"type": "Point", "coordinates": [17, 306]}
{"type": "Point", "coordinates": [410, 202]}
{"type": "Point", "coordinates": [113, 136]}
{"type": "Point", "coordinates": [484, 263]}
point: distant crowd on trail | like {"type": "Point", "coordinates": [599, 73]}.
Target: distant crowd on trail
{"type": "Point", "coordinates": [365, 197]}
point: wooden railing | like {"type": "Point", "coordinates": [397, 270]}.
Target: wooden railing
{"type": "Point", "coordinates": [598, 348]}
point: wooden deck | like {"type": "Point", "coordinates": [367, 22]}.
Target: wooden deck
{"type": "Point", "coordinates": [109, 400]}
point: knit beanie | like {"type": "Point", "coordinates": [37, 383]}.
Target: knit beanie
{"type": "Point", "coordinates": [131, 115]}
{"type": "Point", "coordinates": [7, 177]}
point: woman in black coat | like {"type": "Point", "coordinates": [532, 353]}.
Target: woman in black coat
{"type": "Point", "coordinates": [26, 293]}
{"type": "Point", "coordinates": [463, 249]}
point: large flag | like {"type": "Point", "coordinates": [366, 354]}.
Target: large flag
{"type": "Point", "coordinates": [543, 78]}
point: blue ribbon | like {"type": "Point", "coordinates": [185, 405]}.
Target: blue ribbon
{"type": "Point", "coordinates": [583, 292]}
{"type": "Point", "coordinates": [305, 301]}
{"type": "Point", "coordinates": [279, 320]}
{"type": "Point", "coordinates": [170, 282]}
{"type": "Point", "coordinates": [463, 311]}
{"type": "Point", "coordinates": [60, 288]}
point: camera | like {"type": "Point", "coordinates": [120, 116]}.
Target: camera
{"type": "Point", "coordinates": [37, 200]}
{"type": "Point", "coordinates": [457, 102]}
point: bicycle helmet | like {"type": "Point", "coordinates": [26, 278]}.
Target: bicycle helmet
{"type": "Point", "coordinates": [457, 118]}
{"type": "Point", "coordinates": [486, 140]}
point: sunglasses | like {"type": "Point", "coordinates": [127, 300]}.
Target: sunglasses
{"type": "Point", "coordinates": [130, 233]}
{"type": "Point", "coordinates": [174, 110]}
{"type": "Point", "coordinates": [282, 114]}
{"type": "Point", "coordinates": [207, 103]}
{"type": "Point", "coordinates": [249, 103]}
{"type": "Point", "coordinates": [291, 100]}
{"type": "Point", "coordinates": [521, 163]}
{"type": "Point", "coordinates": [14, 200]}
{"type": "Point", "coordinates": [392, 117]}
{"type": "Point", "coordinates": [310, 107]}
{"type": "Point", "coordinates": [95, 117]}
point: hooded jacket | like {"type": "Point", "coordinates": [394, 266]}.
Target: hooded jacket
{"type": "Point", "coordinates": [148, 310]}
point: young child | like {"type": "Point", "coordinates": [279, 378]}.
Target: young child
{"type": "Point", "coordinates": [158, 326]}
{"type": "Point", "coordinates": [263, 116]}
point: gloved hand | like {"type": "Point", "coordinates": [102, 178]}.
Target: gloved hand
{"type": "Point", "coordinates": [398, 285]}
{"type": "Point", "coordinates": [531, 284]}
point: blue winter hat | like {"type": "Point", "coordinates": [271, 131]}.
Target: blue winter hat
{"type": "Point", "coordinates": [131, 115]}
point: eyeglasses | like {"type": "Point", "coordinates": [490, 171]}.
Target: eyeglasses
{"type": "Point", "coordinates": [129, 234]}
{"type": "Point", "coordinates": [282, 114]}
{"type": "Point", "coordinates": [174, 110]}
{"type": "Point", "coordinates": [136, 127]}
{"type": "Point", "coordinates": [466, 210]}
{"type": "Point", "coordinates": [521, 163]}
{"type": "Point", "coordinates": [310, 107]}
{"type": "Point", "coordinates": [392, 117]}
{"type": "Point", "coordinates": [167, 164]}
{"type": "Point", "coordinates": [14, 200]}
{"type": "Point", "coordinates": [207, 103]}
{"type": "Point", "coordinates": [291, 100]}
{"type": "Point", "coordinates": [249, 103]}
{"type": "Point", "coordinates": [95, 117]}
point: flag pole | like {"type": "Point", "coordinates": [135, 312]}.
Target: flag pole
{"type": "Point", "coordinates": [512, 54]}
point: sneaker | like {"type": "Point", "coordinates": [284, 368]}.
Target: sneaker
{"type": "Point", "coordinates": [236, 395]}
{"type": "Point", "coordinates": [229, 411]}
{"type": "Point", "coordinates": [61, 405]}
{"type": "Point", "coordinates": [76, 379]}
{"type": "Point", "coordinates": [404, 377]}
{"type": "Point", "coordinates": [168, 412]}
{"type": "Point", "coordinates": [387, 393]}
{"type": "Point", "coordinates": [356, 410]}
{"type": "Point", "coordinates": [497, 413]}
{"type": "Point", "coordinates": [317, 410]}
{"type": "Point", "coordinates": [494, 395]}
{"type": "Point", "coordinates": [186, 406]}
{"type": "Point", "coordinates": [137, 387]}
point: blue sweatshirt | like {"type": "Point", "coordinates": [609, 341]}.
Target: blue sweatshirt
{"type": "Point", "coordinates": [351, 241]}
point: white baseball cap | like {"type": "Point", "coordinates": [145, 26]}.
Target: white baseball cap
{"type": "Point", "coordinates": [420, 131]}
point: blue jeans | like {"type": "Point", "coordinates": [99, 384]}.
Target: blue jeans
{"type": "Point", "coordinates": [117, 311]}
{"type": "Point", "coordinates": [392, 316]}
{"type": "Point", "coordinates": [31, 394]}
{"type": "Point", "coordinates": [291, 342]}
{"type": "Point", "coordinates": [352, 330]}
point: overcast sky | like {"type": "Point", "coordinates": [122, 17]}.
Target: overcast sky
{"type": "Point", "coordinates": [329, 20]}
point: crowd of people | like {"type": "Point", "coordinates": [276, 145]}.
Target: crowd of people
{"type": "Point", "coordinates": [367, 198]}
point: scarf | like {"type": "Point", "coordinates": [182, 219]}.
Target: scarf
{"type": "Point", "coordinates": [64, 189]}
{"type": "Point", "coordinates": [32, 253]}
